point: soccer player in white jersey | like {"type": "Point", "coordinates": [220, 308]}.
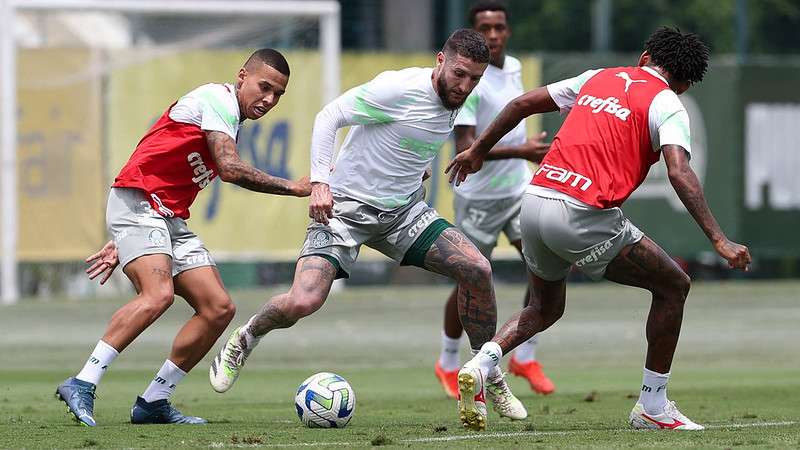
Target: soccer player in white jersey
{"type": "Point", "coordinates": [488, 202]}
{"type": "Point", "coordinates": [192, 142]}
{"type": "Point", "coordinates": [375, 197]}
{"type": "Point", "coordinates": [620, 121]}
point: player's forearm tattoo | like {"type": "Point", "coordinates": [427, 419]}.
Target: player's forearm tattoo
{"type": "Point", "coordinates": [688, 188]}
{"type": "Point", "coordinates": [453, 255]}
{"type": "Point", "coordinates": [233, 170]}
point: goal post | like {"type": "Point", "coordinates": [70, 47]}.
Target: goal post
{"type": "Point", "coordinates": [326, 12]}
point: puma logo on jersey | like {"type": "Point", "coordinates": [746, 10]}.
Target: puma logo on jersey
{"type": "Point", "coordinates": [563, 176]}
{"type": "Point", "coordinates": [610, 105]}
{"type": "Point", "coordinates": [628, 80]}
{"type": "Point", "coordinates": [203, 174]}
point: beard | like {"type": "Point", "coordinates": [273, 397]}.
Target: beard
{"type": "Point", "coordinates": [442, 92]}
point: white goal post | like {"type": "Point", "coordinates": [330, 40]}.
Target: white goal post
{"type": "Point", "coordinates": [330, 47]}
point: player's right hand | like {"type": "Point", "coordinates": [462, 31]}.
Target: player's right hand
{"type": "Point", "coordinates": [737, 255]}
{"type": "Point", "coordinates": [320, 205]}
{"type": "Point", "coordinates": [463, 164]}
{"type": "Point", "coordinates": [103, 262]}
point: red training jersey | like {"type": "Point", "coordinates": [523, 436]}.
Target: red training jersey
{"type": "Point", "coordinates": [603, 151]}
{"type": "Point", "coordinates": [172, 162]}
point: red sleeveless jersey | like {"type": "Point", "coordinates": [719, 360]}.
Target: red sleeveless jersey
{"type": "Point", "coordinates": [171, 164]}
{"type": "Point", "coordinates": [603, 151]}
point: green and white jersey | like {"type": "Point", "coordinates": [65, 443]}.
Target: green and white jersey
{"type": "Point", "coordinates": [398, 124]}
{"type": "Point", "coordinates": [505, 177]}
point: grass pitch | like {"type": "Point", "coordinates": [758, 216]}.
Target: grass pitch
{"type": "Point", "coordinates": [736, 371]}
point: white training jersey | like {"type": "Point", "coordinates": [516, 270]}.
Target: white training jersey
{"type": "Point", "coordinates": [667, 118]}
{"type": "Point", "coordinates": [504, 177]}
{"type": "Point", "coordinates": [398, 124]}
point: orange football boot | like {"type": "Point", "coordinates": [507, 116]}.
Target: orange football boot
{"type": "Point", "coordinates": [449, 380]}
{"type": "Point", "coordinates": [532, 371]}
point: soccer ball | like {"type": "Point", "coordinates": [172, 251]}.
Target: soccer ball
{"type": "Point", "coordinates": [325, 400]}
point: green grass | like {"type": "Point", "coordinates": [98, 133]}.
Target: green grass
{"type": "Point", "coordinates": [736, 370]}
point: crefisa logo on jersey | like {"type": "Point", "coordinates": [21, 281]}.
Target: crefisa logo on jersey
{"type": "Point", "coordinates": [203, 174]}
{"type": "Point", "coordinates": [609, 105]}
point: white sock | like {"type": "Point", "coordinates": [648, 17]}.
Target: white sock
{"type": "Point", "coordinates": [448, 358]}
{"type": "Point", "coordinates": [98, 362]}
{"type": "Point", "coordinates": [654, 391]}
{"type": "Point", "coordinates": [486, 359]}
{"type": "Point", "coordinates": [164, 383]}
{"type": "Point", "coordinates": [526, 352]}
{"type": "Point", "coordinates": [250, 339]}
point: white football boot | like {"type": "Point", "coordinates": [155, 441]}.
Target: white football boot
{"type": "Point", "coordinates": [503, 400]}
{"type": "Point", "coordinates": [471, 398]}
{"type": "Point", "coordinates": [669, 419]}
{"type": "Point", "coordinates": [229, 361]}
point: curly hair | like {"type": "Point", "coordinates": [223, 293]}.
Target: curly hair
{"type": "Point", "coordinates": [467, 43]}
{"type": "Point", "coordinates": [683, 55]}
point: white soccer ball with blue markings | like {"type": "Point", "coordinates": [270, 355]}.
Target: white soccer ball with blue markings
{"type": "Point", "coordinates": [325, 400]}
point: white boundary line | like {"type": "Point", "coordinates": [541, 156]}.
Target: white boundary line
{"type": "Point", "coordinates": [469, 437]}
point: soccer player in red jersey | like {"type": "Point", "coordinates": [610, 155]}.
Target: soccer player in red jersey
{"type": "Point", "coordinates": [620, 122]}
{"type": "Point", "coordinates": [192, 143]}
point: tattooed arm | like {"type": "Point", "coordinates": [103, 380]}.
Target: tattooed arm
{"type": "Point", "coordinates": [233, 170]}
{"type": "Point", "coordinates": [533, 149]}
{"type": "Point", "coordinates": [471, 160]}
{"type": "Point", "coordinates": [685, 183]}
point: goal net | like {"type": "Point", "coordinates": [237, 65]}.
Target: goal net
{"type": "Point", "coordinates": [82, 80]}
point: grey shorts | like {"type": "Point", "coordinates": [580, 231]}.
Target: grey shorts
{"type": "Point", "coordinates": [483, 220]}
{"type": "Point", "coordinates": [404, 234]}
{"type": "Point", "coordinates": [138, 230]}
{"type": "Point", "coordinates": [557, 234]}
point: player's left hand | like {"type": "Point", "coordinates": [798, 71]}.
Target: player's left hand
{"type": "Point", "coordinates": [737, 255]}
{"type": "Point", "coordinates": [103, 262]}
{"type": "Point", "coordinates": [463, 164]}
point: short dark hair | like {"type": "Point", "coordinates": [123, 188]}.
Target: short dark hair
{"type": "Point", "coordinates": [467, 43]}
{"type": "Point", "coordinates": [486, 5]}
{"type": "Point", "coordinates": [270, 57]}
{"type": "Point", "coordinates": [683, 55]}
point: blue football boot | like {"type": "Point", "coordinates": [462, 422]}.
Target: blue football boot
{"type": "Point", "coordinates": [160, 411]}
{"type": "Point", "coordinates": [79, 397]}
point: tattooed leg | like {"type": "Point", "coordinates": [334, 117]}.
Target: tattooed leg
{"type": "Point", "coordinates": [647, 266]}
{"type": "Point", "coordinates": [151, 275]}
{"type": "Point", "coordinates": [544, 307]}
{"type": "Point", "coordinates": [313, 278]}
{"type": "Point", "coordinates": [453, 255]}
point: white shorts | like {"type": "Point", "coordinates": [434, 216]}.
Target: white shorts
{"type": "Point", "coordinates": [557, 233]}
{"type": "Point", "coordinates": [139, 230]}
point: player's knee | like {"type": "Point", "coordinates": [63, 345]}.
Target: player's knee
{"type": "Point", "coordinates": [304, 305]}
{"type": "Point", "coordinates": [676, 286]}
{"type": "Point", "coordinates": [479, 271]}
{"type": "Point", "coordinates": [157, 302]}
{"type": "Point", "coordinates": [551, 315]}
{"type": "Point", "coordinates": [683, 283]}
{"type": "Point", "coordinates": [221, 311]}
